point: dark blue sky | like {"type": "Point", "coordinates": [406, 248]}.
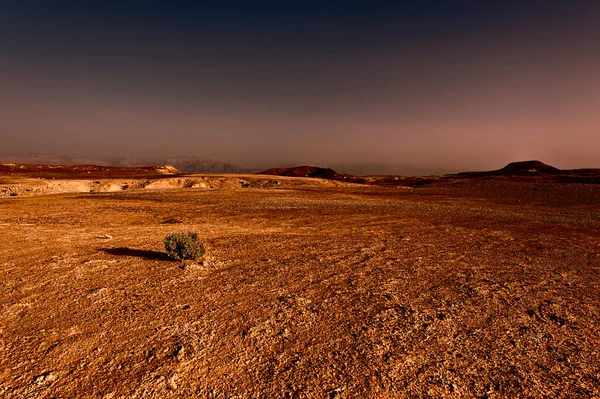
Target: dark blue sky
{"type": "Point", "coordinates": [278, 26]}
{"type": "Point", "coordinates": [448, 83]}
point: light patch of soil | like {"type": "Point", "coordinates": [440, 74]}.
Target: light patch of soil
{"type": "Point", "coordinates": [310, 289]}
{"type": "Point", "coordinates": [18, 186]}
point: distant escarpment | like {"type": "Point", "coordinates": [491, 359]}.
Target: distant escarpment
{"type": "Point", "coordinates": [85, 171]}
{"type": "Point", "coordinates": [191, 164]}
{"type": "Point", "coordinates": [515, 171]}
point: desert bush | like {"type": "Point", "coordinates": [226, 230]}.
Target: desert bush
{"type": "Point", "coordinates": [182, 246]}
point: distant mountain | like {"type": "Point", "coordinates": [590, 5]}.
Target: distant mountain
{"type": "Point", "coordinates": [183, 164]}
{"type": "Point", "coordinates": [306, 171]}
{"type": "Point", "coordinates": [536, 170]}
{"type": "Point", "coordinates": [517, 171]}
{"type": "Point", "coordinates": [196, 165]}
{"type": "Point", "coordinates": [524, 168]}
{"type": "Point", "coordinates": [388, 169]}
{"type": "Point", "coordinates": [362, 168]}
{"type": "Point", "coordinates": [528, 168]}
{"type": "Point", "coordinates": [46, 159]}
{"type": "Point", "coordinates": [313, 171]}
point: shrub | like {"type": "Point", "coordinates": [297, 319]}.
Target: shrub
{"type": "Point", "coordinates": [182, 246]}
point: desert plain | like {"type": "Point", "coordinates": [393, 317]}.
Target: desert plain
{"type": "Point", "coordinates": [487, 287]}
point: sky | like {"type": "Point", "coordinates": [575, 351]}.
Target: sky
{"type": "Point", "coordinates": [450, 85]}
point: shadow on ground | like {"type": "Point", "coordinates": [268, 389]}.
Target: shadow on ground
{"type": "Point", "coordinates": [138, 253]}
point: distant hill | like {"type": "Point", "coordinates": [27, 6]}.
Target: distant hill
{"type": "Point", "coordinates": [524, 168]}
{"type": "Point", "coordinates": [526, 171]}
{"type": "Point", "coordinates": [186, 164]}
{"type": "Point", "coordinates": [536, 170]}
{"type": "Point", "coordinates": [85, 171]}
{"type": "Point", "coordinates": [306, 171]}
{"type": "Point", "coordinates": [527, 168]}
{"type": "Point", "coordinates": [183, 164]}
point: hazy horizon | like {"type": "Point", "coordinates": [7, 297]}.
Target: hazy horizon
{"type": "Point", "coordinates": [462, 86]}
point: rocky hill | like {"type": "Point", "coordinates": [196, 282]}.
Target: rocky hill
{"type": "Point", "coordinates": [183, 164]}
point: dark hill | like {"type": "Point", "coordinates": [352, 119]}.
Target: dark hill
{"type": "Point", "coordinates": [537, 170]}
{"type": "Point", "coordinates": [527, 168]}
{"type": "Point", "coordinates": [524, 168]}
{"type": "Point", "coordinates": [515, 171]}
{"type": "Point", "coordinates": [306, 171]}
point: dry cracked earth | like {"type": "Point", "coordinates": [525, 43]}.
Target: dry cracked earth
{"type": "Point", "coordinates": [472, 289]}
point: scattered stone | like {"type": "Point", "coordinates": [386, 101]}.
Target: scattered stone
{"type": "Point", "coordinates": [45, 378]}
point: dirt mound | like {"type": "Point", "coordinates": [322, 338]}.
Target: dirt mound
{"type": "Point", "coordinates": [83, 171]}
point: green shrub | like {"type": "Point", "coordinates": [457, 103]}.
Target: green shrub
{"type": "Point", "coordinates": [182, 246]}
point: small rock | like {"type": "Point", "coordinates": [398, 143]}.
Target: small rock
{"type": "Point", "coordinates": [45, 378]}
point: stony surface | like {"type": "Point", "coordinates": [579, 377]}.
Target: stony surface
{"type": "Point", "coordinates": [470, 289]}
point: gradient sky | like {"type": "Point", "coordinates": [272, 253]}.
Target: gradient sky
{"type": "Point", "coordinates": [460, 85]}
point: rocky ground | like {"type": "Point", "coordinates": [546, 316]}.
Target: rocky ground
{"type": "Point", "coordinates": [310, 289]}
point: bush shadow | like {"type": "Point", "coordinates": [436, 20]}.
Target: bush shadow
{"type": "Point", "coordinates": [138, 253]}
